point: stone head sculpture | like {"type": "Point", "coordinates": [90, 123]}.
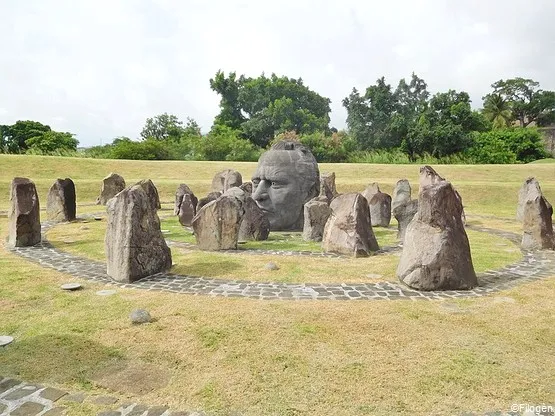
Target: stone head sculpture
{"type": "Point", "coordinates": [286, 178]}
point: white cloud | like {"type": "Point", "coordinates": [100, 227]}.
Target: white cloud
{"type": "Point", "coordinates": [104, 66]}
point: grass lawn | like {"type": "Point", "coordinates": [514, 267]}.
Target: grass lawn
{"type": "Point", "coordinates": [232, 355]}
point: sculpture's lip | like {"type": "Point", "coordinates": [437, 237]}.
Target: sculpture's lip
{"type": "Point", "coordinates": [266, 210]}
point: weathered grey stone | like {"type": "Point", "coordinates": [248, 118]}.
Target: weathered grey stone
{"type": "Point", "coordinates": [380, 209]}
{"type": "Point", "coordinates": [186, 210]}
{"type": "Point", "coordinates": [111, 186]}
{"type": "Point", "coordinates": [271, 266]}
{"type": "Point", "coordinates": [151, 193]}
{"type": "Point", "coordinates": [255, 225]}
{"type": "Point", "coordinates": [212, 196]}
{"type": "Point", "coordinates": [237, 193]}
{"type": "Point", "coordinates": [182, 190]}
{"type": "Point", "coordinates": [286, 178]}
{"type": "Point", "coordinates": [24, 215]}
{"type": "Point", "coordinates": [436, 253]}
{"type": "Point", "coordinates": [135, 246]}
{"type": "Point", "coordinates": [247, 188]}
{"type": "Point", "coordinates": [327, 186]}
{"type": "Point", "coordinates": [537, 222]}
{"type": "Point", "coordinates": [348, 229]}
{"type": "Point", "coordinates": [226, 179]}
{"type": "Point", "coordinates": [529, 189]}
{"type": "Point", "coordinates": [53, 394]}
{"type": "Point", "coordinates": [428, 176]}
{"type": "Point", "coordinates": [370, 191]}
{"type": "Point", "coordinates": [316, 214]}
{"type": "Point", "coordinates": [60, 203]}
{"type": "Point", "coordinates": [138, 316]}
{"type": "Point", "coordinates": [401, 193]}
{"type": "Point", "coordinates": [216, 225]}
{"type": "Point", "coordinates": [404, 213]}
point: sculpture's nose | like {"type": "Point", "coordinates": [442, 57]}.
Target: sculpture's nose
{"type": "Point", "coordinates": [261, 192]}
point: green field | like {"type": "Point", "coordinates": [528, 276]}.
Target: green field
{"type": "Point", "coordinates": [241, 356]}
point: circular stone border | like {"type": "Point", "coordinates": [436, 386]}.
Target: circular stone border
{"type": "Point", "coordinates": [534, 266]}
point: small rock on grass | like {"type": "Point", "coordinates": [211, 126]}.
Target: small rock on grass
{"type": "Point", "coordinates": [140, 316]}
{"type": "Point", "coordinates": [271, 266]}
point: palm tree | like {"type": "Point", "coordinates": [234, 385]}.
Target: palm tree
{"type": "Point", "coordinates": [498, 111]}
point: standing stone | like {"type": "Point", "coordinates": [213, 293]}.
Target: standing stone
{"type": "Point", "coordinates": [60, 203]}
{"type": "Point", "coordinates": [436, 251]}
{"type": "Point", "coordinates": [179, 194]}
{"type": "Point", "coordinates": [151, 193]}
{"type": "Point", "coordinates": [237, 193]}
{"type": "Point", "coordinates": [24, 215]}
{"type": "Point", "coordinates": [327, 186]}
{"type": "Point", "coordinates": [255, 225]}
{"type": "Point", "coordinates": [380, 209]}
{"type": "Point", "coordinates": [529, 189]}
{"type": "Point", "coordinates": [404, 213]}
{"type": "Point", "coordinates": [226, 179]}
{"type": "Point", "coordinates": [537, 221]}
{"type": "Point", "coordinates": [316, 214]}
{"type": "Point", "coordinates": [111, 185]}
{"type": "Point", "coordinates": [186, 210]}
{"type": "Point", "coordinates": [246, 187]}
{"type": "Point", "coordinates": [212, 196]}
{"type": "Point", "coordinates": [370, 191]}
{"type": "Point", "coordinates": [401, 193]}
{"type": "Point", "coordinates": [428, 176]}
{"type": "Point", "coordinates": [135, 246]}
{"type": "Point", "coordinates": [216, 225]}
{"type": "Point", "coordinates": [348, 229]}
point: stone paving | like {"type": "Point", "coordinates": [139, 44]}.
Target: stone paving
{"type": "Point", "coordinates": [18, 398]}
{"type": "Point", "coordinates": [534, 266]}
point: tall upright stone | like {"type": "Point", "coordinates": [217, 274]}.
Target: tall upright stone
{"type": "Point", "coordinates": [60, 203]}
{"type": "Point", "coordinates": [212, 196]}
{"type": "Point", "coordinates": [327, 186]}
{"type": "Point", "coordinates": [404, 213]}
{"type": "Point", "coordinates": [537, 220]}
{"type": "Point", "coordinates": [24, 215]}
{"type": "Point", "coordinates": [111, 186]}
{"type": "Point", "coordinates": [255, 225]}
{"type": "Point", "coordinates": [436, 252]}
{"type": "Point", "coordinates": [179, 193]}
{"type": "Point", "coordinates": [187, 210]}
{"type": "Point", "coordinates": [401, 193]}
{"type": "Point", "coordinates": [370, 191]}
{"type": "Point", "coordinates": [380, 209]}
{"type": "Point", "coordinates": [134, 244]}
{"type": "Point", "coordinates": [316, 214]}
{"type": "Point", "coordinates": [151, 193]}
{"type": "Point", "coordinates": [226, 179]}
{"type": "Point", "coordinates": [348, 229]}
{"type": "Point", "coordinates": [529, 189]}
{"type": "Point", "coordinates": [428, 176]}
{"type": "Point", "coordinates": [216, 225]}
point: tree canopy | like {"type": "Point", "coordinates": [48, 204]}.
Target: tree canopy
{"type": "Point", "coordinates": [261, 108]}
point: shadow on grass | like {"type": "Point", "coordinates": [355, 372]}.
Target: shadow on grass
{"type": "Point", "coordinates": [68, 359]}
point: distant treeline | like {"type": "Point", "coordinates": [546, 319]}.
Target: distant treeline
{"type": "Point", "coordinates": [405, 124]}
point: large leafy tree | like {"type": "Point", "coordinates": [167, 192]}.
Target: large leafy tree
{"type": "Point", "coordinates": [51, 141]}
{"type": "Point", "coordinates": [381, 117]}
{"type": "Point", "coordinates": [445, 126]}
{"type": "Point", "coordinates": [497, 110]}
{"type": "Point", "coordinates": [261, 108]}
{"type": "Point", "coordinates": [14, 137]}
{"type": "Point", "coordinates": [163, 127]}
{"type": "Point", "coordinates": [528, 103]}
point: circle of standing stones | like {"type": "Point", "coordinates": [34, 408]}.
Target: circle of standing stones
{"type": "Point", "coordinates": [431, 229]}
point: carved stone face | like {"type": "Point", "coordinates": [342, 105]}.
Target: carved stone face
{"type": "Point", "coordinates": [283, 182]}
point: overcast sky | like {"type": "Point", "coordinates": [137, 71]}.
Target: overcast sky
{"type": "Point", "coordinates": [99, 68]}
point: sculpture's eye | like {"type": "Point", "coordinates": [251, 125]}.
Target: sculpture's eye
{"type": "Point", "coordinates": [256, 181]}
